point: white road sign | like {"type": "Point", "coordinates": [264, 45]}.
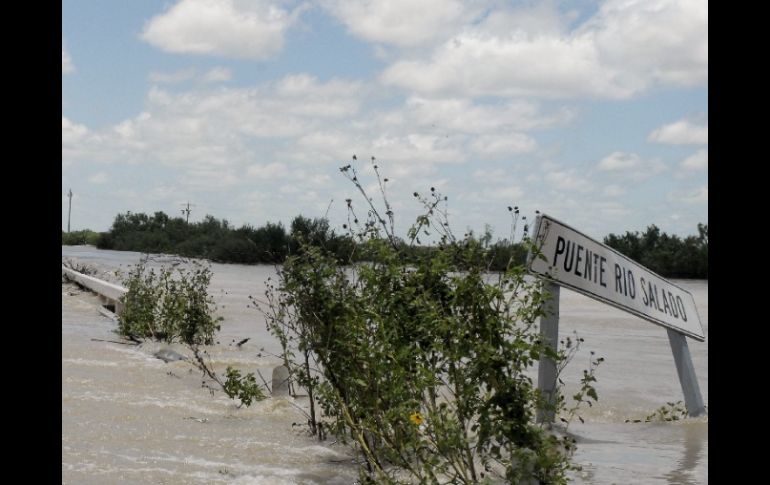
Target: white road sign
{"type": "Point", "coordinates": [576, 261]}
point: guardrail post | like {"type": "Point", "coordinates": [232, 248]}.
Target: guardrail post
{"type": "Point", "coordinates": [546, 372]}
{"type": "Point", "coordinates": [693, 400]}
{"type": "Point", "coordinates": [280, 383]}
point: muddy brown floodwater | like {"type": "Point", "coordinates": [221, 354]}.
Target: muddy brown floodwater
{"type": "Point", "coordinates": [128, 417]}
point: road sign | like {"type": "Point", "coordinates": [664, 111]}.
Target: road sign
{"type": "Point", "coordinates": [572, 259]}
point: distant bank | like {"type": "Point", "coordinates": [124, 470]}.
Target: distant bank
{"type": "Point", "coordinates": [217, 240]}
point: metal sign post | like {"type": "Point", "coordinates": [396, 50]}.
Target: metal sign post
{"type": "Point", "coordinates": [686, 371]}
{"type": "Point", "coordinates": [546, 370]}
{"type": "Point", "coordinates": [572, 259]}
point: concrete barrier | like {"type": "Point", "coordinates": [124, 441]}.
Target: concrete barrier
{"type": "Point", "coordinates": [109, 293]}
{"type": "Point", "coordinates": [280, 381]}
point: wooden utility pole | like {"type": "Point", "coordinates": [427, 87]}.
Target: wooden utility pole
{"type": "Point", "coordinates": [69, 210]}
{"type": "Point", "coordinates": [187, 210]}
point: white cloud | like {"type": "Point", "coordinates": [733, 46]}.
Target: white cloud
{"type": "Point", "coordinates": [493, 194]}
{"type": "Point", "coordinates": [661, 40]}
{"type": "Point", "coordinates": [611, 209]}
{"type": "Point", "coordinates": [218, 74]}
{"type": "Point", "coordinates": [503, 145]}
{"type": "Point", "coordinates": [245, 134]}
{"type": "Point", "coordinates": [463, 115]}
{"type": "Point", "coordinates": [398, 22]}
{"type": "Point", "coordinates": [286, 108]}
{"type": "Point", "coordinates": [620, 161]}
{"type": "Point", "coordinates": [77, 142]}
{"type": "Point", "coordinates": [510, 193]}
{"type": "Point", "coordinates": [490, 175]}
{"type": "Point", "coordinates": [631, 165]}
{"type": "Point", "coordinates": [270, 171]}
{"type": "Point", "coordinates": [625, 48]}
{"type": "Point", "coordinates": [613, 191]}
{"type": "Point", "coordinates": [682, 132]}
{"type": "Point", "coordinates": [99, 178]}
{"type": "Point", "coordinates": [478, 64]}
{"type": "Point", "coordinates": [171, 77]}
{"type": "Point", "coordinates": [71, 133]}
{"type": "Point", "coordinates": [584, 212]}
{"type": "Point", "coordinates": [230, 28]}
{"type": "Point", "coordinates": [211, 177]}
{"type": "Point", "coordinates": [408, 148]}
{"type": "Point", "coordinates": [536, 19]}
{"type": "Point", "coordinates": [568, 180]}
{"type": "Point", "coordinates": [473, 129]}
{"type": "Point", "coordinates": [697, 196]}
{"type": "Point", "coordinates": [227, 138]}
{"type": "Point", "coordinates": [435, 131]}
{"type": "Point", "coordinates": [697, 161]}
{"type": "Point", "coordinates": [325, 143]}
{"type": "Point", "coordinates": [288, 137]}
{"type": "Point", "coordinates": [67, 65]}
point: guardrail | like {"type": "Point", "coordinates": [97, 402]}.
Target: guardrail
{"type": "Point", "coordinates": [109, 293]}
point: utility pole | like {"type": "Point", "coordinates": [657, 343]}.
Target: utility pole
{"type": "Point", "coordinates": [187, 211]}
{"type": "Point", "coordinates": [69, 210]}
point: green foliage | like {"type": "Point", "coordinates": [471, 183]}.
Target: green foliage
{"type": "Point", "coordinates": [587, 393]}
{"type": "Point", "coordinates": [234, 249]}
{"type": "Point", "coordinates": [218, 241]}
{"type": "Point", "coordinates": [672, 411]}
{"type": "Point", "coordinates": [82, 268]}
{"type": "Point", "coordinates": [76, 238]}
{"type": "Point", "coordinates": [669, 256]}
{"type": "Point", "coordinates": [171, 304]}
{"type": "Point", "coordinates": [420, 358]}
{"type": "Point", "coordinates": [244, 388]}
{"type": "Point", "coordinates": [140, 303]}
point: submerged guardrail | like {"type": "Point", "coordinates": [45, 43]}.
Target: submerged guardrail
{"type": "Point", "coordinates": [109, 293]}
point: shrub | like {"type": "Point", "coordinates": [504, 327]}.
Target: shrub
{"type": "Point", "coordinates": [234, 249]}
{"type": "Point", "coordinates": [75, 238]}
{"type": "Point", "coordinates": [196, 246]}
{"type": "Point", "coordinates": [173, 305]}
{"type": "Point", "coordinates": [420, 362]}
{"type": "Point", "coordinates": [169, 305]}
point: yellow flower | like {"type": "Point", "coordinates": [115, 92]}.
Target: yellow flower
{"type": "Point", "coordinates": [416, 418]}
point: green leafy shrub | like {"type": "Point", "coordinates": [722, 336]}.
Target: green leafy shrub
{"type": "Point", "coordinates": [420, 361]}
{"type": "Point", "coordinates": [233, 249]}
{"type": "Point", "coordinates": [172, 304]}
{"type": "Point", "coordinates": [75, 238]}
{"type": "Point", "coordinates": [672, 411]}
{"type": "Point", "coordinates": [245, 388]}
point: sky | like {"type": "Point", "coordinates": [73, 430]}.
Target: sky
{"type": "Point", "coordinates": [593, 112]}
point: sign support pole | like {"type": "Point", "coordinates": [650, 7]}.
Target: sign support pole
{"type": "Point", "coordinates": [546, 372]}
{"type": "Point", "coordinates": [693, 400]}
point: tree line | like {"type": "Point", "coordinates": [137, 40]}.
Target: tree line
{"type": "Point", "coordinates": [667, 255]}
{"type": "Point", "coordinates": [219, 241]}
